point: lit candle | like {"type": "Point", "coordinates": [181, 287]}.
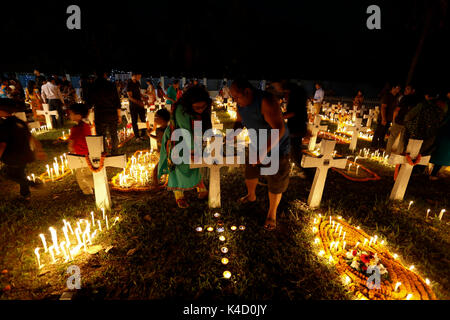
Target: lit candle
{"type": "Point", "coordinates": [227, 274]}
{"type": "Point", "coordinates": [199, 229]}
{"type": "Point", "coordinates": [356, 246]}
{"type": "Point", "coordinates": [54, 239]}
{"type": "Point", "coordinates": [103, 211]}
{"type": "Point", "coordinates": [357, 168]}
{"type": "Point", "coordinates": [106, 220]}
{"type": "Point", "coordinates": [77, 234]}
{"type": "Point", "coordinates": [50, 249]}
{"type": "Point", "coordinates": [337, 245]}
{"type": "Point", "coordinates": [233, 228]}
{"type": "Point", "coordinates": [43, 242]}
{"type": "Point", "coordinates": [343, 238]}
{"type": "Point", "coordinates": [36, 252]}
{"type": "Point", "coordinates": [398, 284]}
{"type": "Point", "coordinates": [410, 203]}
{"type": "Point", "coordinates": [340, 231]}
{"type": "Point", "coordinates": [99, 225]}
{"type": "Point", "coordinates": [331, 245]}
{"type": "Point", "coordinates": [411, 268]}
{"type": "Point", "coordinates": [365, 241]}
{"type": "Point", "coordinates": [409, 296]}
{"type": "Point", "coordinates": [222, 238]}
{"type": "Point", "coordinates": [66, 235]}
{"type": "Point", "coordinates": [34, 179]}
{"type": "Point", "coordinates": [428, 212]}
{"type": "Point", "coordinates": [92, 216]}
{"type": "Point", "coordinates": [344, 245]}
{"type": "Point", "coordinates": [224, 249]}
{"type": "Point", "coordinates": [441, 214]}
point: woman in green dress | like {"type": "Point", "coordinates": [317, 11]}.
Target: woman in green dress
{"type": "Point", "coordinates": [194, 105]}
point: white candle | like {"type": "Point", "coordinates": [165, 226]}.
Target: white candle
{"type": "Point", "coordinates": [36, 252]}
{"type": "Point", "coordinates": [103, 211]}
{"type": "Point", "coordinates": [344, 245]}
{"type": "Point", "coordinates": [92, 216]}
{"type": "Point", "coordinates": [66, 235]}
{"type": "Point", "coordinates": [357, 168]}
{"type": "Point", "coordinates": [357, 245]}
{"type": "Point", "coordinates": [428, 212]}
{"type": "Point", "coordinates": [34, 179]}
{"type": "Point", "coordinates": [99, 225]}
{"type": "Point", "coordinates": [106, 220]}
{"type": "Point", "coordinates": [410, 203]}
{"type": "Point", "coordinates": [54, 239]}
{"type": "Point", "coordinates": [398, 284]}
{"type": "Point", "coordinates": [50, 249]}
{"type": "Point", "coordinates": [343, 238]}
{"type": "Point", "coordinates": [441, 214]}
{"type": "Point", "coordinates": [43, 242]}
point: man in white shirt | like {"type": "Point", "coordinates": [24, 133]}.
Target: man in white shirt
{"type": "Point", "coordinates": [52, 96]}
{"type": "Point", "coordinates": [318, 98]}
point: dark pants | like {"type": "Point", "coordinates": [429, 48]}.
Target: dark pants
{"type": "Point", "coordinates": [379, 135]}
{"type": "Point", "coordinates": [435, 170]}
{"type": "Point", "coordinates": [56, 104]}
{"type": "Point", "coordinates": [107, 127]}
{"type": "Point", "coordinates": [296, 150]}
{"type": "Point", "coordinates": [136, 112]}
{"type": "Point", "coordinates": [17, 174]}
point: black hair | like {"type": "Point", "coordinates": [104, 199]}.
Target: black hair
{"type": "Point", "coordinates": [241, 84]}
{"type": "Point", "coordinates": [80, 108]}
{"type": "Point", "coordinates": [134, 73]}
{"type": "Point", "coordinates": [51, 78]}
{"type": "Point", "coordinates": [30, 86]}
{"type": "Point", "coordinates": [163, 114]}
{"type": "Point", "coordinates": [176, 81]}
{"type": "Point", "coordinates": [191, 96]}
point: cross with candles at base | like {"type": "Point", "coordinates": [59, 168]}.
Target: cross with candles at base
{"type": "Point", "coordinates": [214, 164]}
{"type": "Point", "coordinates": [315, 128]}
{"type": "Point", "coordinates": [96, 148]}
{"type": "Point", "coordinates": [369, 118]}
{"type": "Point", "coordinates": [357, 128]}
{"type": "Point", "coordinates": [48, 115]}
{"type": "Point", "coordinates": [401, 183]}
{"type": "Point", "coordinates": [325, 162]}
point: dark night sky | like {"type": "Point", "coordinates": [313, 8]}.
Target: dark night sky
{"type": "Point", "coordinates": [325, 40]}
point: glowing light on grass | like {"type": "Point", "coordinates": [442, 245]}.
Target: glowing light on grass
{"type": "Point", "coordinates": [216, 215]}
{"type": "Point", "coordinates": [227, 274]}
{"type": "Point", "coordinates": [106, 221]}
{"type": "Point", "coordinates": [411, 268]}
{"type": "Point", "coordinates": [92, 217]}
{"type": "Point", "coordinates": [395, 256]}
{"type": "Point", "coordinates": [222, 238]}
{"type": "Point", "coordinates": [210, 229]}
{"type": "Point", "coordinates": [242, 228]}
{"type": "Point", "coordinates": [220, 229]}
{"type": "Point", "coordinates": [427, 281]}
{"type": "Point", "coordinates": [410, 204]}
{"type": "Point", "coordinates": [233, 228]}
{"type": "Point", "coordinates": [224, 249]}
{"type": "Point", "coordinates": [199, 229]}
{"type": "Point", "coordinates": [99, 225]}
{"type": "Point", "coordinates": [347, 280]}
{"type": "Point", "coordinates": [225, 261]}
{"type": "Point", "coordinates": [428, 212]}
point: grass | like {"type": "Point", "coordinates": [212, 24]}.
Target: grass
{"type": "Point", "coordinates": [165, 258]}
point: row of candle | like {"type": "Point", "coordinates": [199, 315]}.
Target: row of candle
{"type": "Point", "coordinates": [140, 171]}
{"type": "Point", "coordinates": [40, 130]}
{"type": "Point", "coordinates": [72, 241]}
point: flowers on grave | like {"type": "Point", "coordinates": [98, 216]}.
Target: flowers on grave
{"type": "Point", "coordinates": [91, 166]}
{"type": "Point", "coordinates": [411, 162]}
{"type": "Point", "coordinates": [361, 261]}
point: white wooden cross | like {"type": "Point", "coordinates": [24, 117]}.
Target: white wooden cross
{"type": "Point", "coordinates": [357, 128]}
{"type": "Point", "coordinates": [315, 128]}
{"type": "Point", "coordinates": [369, 118]}
{"type": "Point", "coordinates": [354, 112]}
{"type": "Point", "coordinates": [47, 113]}
{"type": "Point", "coordinates": [95, 147]}
{"type": "Point", "coordinates": [413, 148]}
{"type": "Point", "coordinates": [322, 164]}
{"type": "Point", "coordinates": [214, 164]}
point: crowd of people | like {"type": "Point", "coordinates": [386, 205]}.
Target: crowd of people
{"type": "Point", "coordinates": [282, 105]}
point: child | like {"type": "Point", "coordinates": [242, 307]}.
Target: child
{"type": "Point", "coordinates": [16, 147]}
{"type": "Point", "coordinates": [77, 144]}
{"type": "Point", "coordinates": [162, 118]}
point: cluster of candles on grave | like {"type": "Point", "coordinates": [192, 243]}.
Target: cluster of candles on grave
{"type": "Point", "coordinates": [139, 171]}
{"type": "Point", "coordinates": [375, 156]}
{"type": "Point", "coordinates": [65, 136]}
{"type": "Point", "coordinates": [342, 129]}
{"type": "Point", "coordinates": [40, 130]}
{"type": "Point", "coordinates": [224, 250]}
{"type": "Point", "coordinates": [354, 165]}
{"type": "Point", "coordinates": [57, 171]}
{"type": "Point", "coordinates": [71, 242]}
{"type": "Point", "coordinates": [331, 239]}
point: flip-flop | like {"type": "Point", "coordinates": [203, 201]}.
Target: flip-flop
{"type": "Point", "coordinates": [182, 203]}
{"type": "Point", "coordinates": [244, 200]}
{"type": "Point", "coordinates": [268, 226]}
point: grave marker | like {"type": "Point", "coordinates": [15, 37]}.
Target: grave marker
{"type": "Point", "coordinates": [48, 115]}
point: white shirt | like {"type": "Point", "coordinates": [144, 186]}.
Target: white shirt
{"type": "Point", "coordinates": [50, 91]}
{"type": "Point", "coordinates": [319, 95]}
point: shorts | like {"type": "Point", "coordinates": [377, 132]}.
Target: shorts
{"type": "Point", "coordinates": [277, 183]}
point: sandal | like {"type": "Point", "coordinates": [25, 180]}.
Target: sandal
{"type": "Point", "coordinates": [203, 195]}
{"type": "Point", "coordinates": [270, 224]}
{"type": "Point", "coordinates": [182, 203]}
{"type": "Point", "coordinates": [244, 200]}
